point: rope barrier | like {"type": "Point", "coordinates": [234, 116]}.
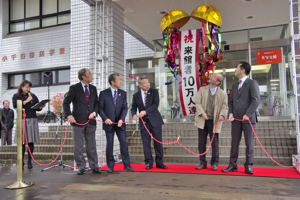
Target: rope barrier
{"type": "Point", "coordinates": [164, 143]}
{"type": "Point", "coordinates": [24, 133]}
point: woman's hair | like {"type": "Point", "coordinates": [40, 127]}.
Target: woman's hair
{"type": "Point", "coordinates": [23, 83]}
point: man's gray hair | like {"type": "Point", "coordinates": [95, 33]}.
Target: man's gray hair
{"type": "Point", "coordinates": [6, 101]}
{"type": "Point", "coordinates": [220, 79]}
{"type": "Point", "coordinates": [81, 72]}
{"type": "Point", "coordinates": [141, 78]}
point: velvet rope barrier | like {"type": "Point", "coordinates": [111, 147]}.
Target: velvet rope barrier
{"type": "Point", "coordinates": [164, 143]}
{"type": "Point", "coordinates": [24, 133]}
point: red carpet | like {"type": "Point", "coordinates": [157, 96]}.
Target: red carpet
{"type": "Point", "coordinates": [190, 169]}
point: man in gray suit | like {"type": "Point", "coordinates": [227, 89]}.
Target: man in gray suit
{"type": "Point", "coordinates": [243, 102]}
{"type": "Point", "coordinates": [83, 96]}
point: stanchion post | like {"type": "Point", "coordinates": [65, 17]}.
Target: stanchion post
{"type": "Point", "coordinates": [20, 183]}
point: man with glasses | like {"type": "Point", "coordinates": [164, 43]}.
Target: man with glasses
{"type": "Point", "coordinates": [211, 106]}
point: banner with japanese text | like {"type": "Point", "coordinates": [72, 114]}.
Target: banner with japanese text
{"type": "Point", "coordinates": [189, 82]}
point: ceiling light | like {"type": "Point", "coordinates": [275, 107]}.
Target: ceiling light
{"type": "Point", "coordinates": [273, 80]}
{"type": "Point", "coordinates": [274, 84]}
{"type": "Point", "coordinates": [162, 12]}
{"type": "Point", "coordinates": [263, 68]}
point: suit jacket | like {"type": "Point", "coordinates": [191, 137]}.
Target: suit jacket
{"type": "Point", "coordinates": [107, 109]}
{"type": "Point", "coordinates": [220, 107]}
{"type": "Point", "coordinates": [151, 107]}
{"type": "Point", "coordinates": [81, 108]}
{"type": "Point", "coordinates": [246, 101]}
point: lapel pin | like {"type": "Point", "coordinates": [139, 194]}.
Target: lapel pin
{"type": "Point", "coordinates": [148, 93]}
{"type": "Point", "coordinates": [120, 94]}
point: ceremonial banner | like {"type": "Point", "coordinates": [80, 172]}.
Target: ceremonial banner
{"type": "Point", "coordinates": [189, 82]}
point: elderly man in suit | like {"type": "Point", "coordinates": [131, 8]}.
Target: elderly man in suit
{"type": "Point", "coordinates": [84, 97]}
{"type": "Point", "coordinates": [113, 108]}
{"type": "Point", "coordinates": [211, 106]}
{"type": "Point", "coordinates": [9, 116]}
{"type": "Point", "coordinates": [243, 102]}
{"type": "Point", "coordinates": [147, 101]}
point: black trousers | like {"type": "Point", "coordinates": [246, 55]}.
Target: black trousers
{"type": "Point", "coordinates": [202, 138]}
{"type": "Point", "coordinates": [236, 134]}
{"type": "Point", "coordinates": [31, 147]}
{"type": "Point", "coordinates": [146, 139]}
{"type": "Point", "coordinates": [110, 144]}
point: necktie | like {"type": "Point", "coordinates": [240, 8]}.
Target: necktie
{"type": "Point", "coordinates": [145, 99]}
{"type": "Point", "coordinates": [87, 94]}
{"type": "Point", "coordinates": [240, 81]}
{"type": "Point", "coordinates": [115, 98]}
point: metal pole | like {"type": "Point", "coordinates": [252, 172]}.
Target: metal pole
{"type": "Point", "coordinates": [19, 183]}
{"type": "Point", "coordinates": [249, 53]}
{"type": "Point", "coordinates": [19, 141]}
{"type": "Point", "coordinates": [295, 85]}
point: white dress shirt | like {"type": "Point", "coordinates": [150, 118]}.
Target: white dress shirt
{"type": "Point", "coordinates": [83, 86]}
{"type": "Point", "coordinates": [213, 90]}
{"type": "Point", "coordinates": [243, 80]}
{"type": "Point", "coordinates": [113, 91]}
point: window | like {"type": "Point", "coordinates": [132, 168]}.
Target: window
{"type": "Point", "coordinates": [34, 78]}
{"type": "Point", "coordinates": [35, 14]}
{"type": "Point", "coordinates": [59, 77]}
{"type": "Point", "coordinates": [64, 76]}
{"type": "Point", "coordinates": [15, 80]}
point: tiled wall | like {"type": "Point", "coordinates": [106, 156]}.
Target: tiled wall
{"type": "Point", "coordinates": [81, 14]}
{"type": "Point", "coordinates": [134, 48]}
{"type": "Point", "coordinates": [30, 41]}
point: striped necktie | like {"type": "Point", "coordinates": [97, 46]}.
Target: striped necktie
{"type": "Point", "coordinates": [240, 87]}
{"type": "Point", "coordinates": [87, 94]}
{"type": "Point", "coordinates": [145, 98]}
{"type": "Point", "coordinates": [115, 98]}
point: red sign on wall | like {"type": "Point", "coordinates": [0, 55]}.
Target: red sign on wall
{"type": "Point", "coordinates": [268, 57]}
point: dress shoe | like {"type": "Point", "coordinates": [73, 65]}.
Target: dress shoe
{"type": "Point", "coordinates": [110, 170]}
{"type": "Point", "coordinates": [29, 165]}
{"type": "Point", "coordinates": [148, 166]}
{"type": "Point", "coordinates": [230, 169]}
{"type": "Point", "coordinates": [80, 171]}
{"type": "Point", "coordinates": [248, 169]}
{"type": "Point", "coordinates": [201, 167]}
{"type": "Point", "coordinates": [162, 166]}
{"type": "Point", "coordinates": [128, 168]}
{"type": "Point", "coordinates": [214, 167]}
{"type": "Point", "coordinates": [97, 171]}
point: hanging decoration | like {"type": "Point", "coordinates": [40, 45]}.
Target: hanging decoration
{"type": "Point", "coordinates": [184, 45]}
{"type": "Point", "coordinates": [170, 25]}
{"type": "Point", "coordinates": [211, 22]}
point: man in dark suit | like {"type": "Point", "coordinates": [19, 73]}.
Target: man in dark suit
{"type": "Point", "coordinates": [113, 108]}
{"type": "Point", "coordinates": [243, 102]}
{"type": "Point", "coordinates": [9, 116]}
{"type": "Point", "coordinates": [147, 101]}
{"type": "Point", "coordinates": [85, 106]}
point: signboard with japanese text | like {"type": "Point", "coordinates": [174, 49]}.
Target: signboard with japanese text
{"type": "Point", "coordinates": [268, 57]}
{"type": "Point", "coordinates": [189, 82]}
